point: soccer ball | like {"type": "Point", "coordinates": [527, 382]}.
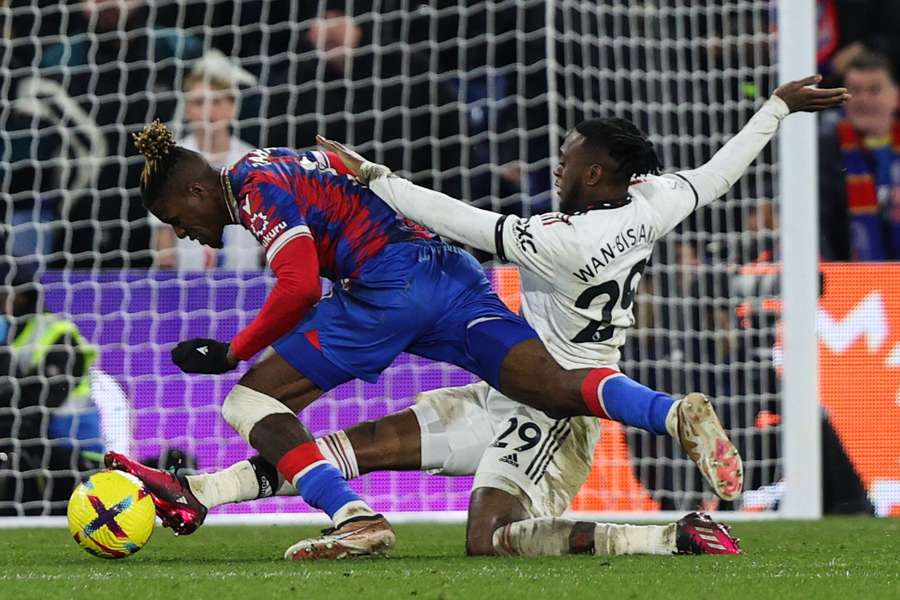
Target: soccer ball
{"type": "Point", "coordinates": [111, 515]}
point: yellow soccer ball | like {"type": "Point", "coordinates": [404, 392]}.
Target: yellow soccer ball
{"type": "Point", "coordinates": [111, 515]}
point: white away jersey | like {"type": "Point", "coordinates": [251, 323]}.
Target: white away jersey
{"type": "Point", "coordinates": [581, 272]}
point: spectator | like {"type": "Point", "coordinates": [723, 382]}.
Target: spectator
{"type": "Point", "coordinates": [859, 182]}
{"type": "Point", "coordinates": [48, 423]}
{"type": "Point", "coordinates": [29, 184]}
{"type": "Point", "coordinates": [210, 108]}
{"type": "Point", "coordinates": [119, 70]}
{"type": "Point", "coordinates": [30, 143]}
{"type": "Point", "coordinates": [383, 101]}
{"type": "Point", "coordinates": [847, 28]}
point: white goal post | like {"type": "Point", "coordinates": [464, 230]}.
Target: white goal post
{"type": "Point", "coordinates": [799, 192]}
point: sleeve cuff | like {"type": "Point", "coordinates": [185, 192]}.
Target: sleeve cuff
{"type": "Point", "coordinates": [284, 238]}
{"type": "Point", "coordinates": [499, 250]}
{"type": "Point", "coordinates": [370, 171]}
{"type": "Point", "coordinates": [779, 107]}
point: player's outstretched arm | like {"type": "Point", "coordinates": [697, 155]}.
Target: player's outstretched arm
{"type": "Point", "coordinates": [716, 177]}
{"type": "Point", "coordinates": [439, 212]}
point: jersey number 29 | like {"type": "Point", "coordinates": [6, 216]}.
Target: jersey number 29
{"type": "Point", "coordinates": [602, 330]}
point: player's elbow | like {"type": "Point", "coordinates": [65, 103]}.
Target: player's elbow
{"type": "Point", "coordinates": [309, 296]}
{"type": "Point", "coordinates": [304, 295]}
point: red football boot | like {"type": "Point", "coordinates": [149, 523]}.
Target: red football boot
{"type": "Point", "coordinates": [176, 505]}
{"type": "Point", "coordinates": [697, 533]}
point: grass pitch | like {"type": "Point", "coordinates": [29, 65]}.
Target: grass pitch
{"type": "Point", "coordinates": [836, 558]}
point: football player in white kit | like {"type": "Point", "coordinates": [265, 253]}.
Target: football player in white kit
{"type": "Point", "coordinates": [580, 270]}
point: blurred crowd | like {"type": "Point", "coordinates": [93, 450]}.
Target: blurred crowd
{"type": "Point", "coordinates": [440, 94]}
{"type": "Point", "coordinates": [461, 97]}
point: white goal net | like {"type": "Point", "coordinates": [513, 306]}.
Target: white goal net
{"type": "Point", "coordinates": [472, 98]}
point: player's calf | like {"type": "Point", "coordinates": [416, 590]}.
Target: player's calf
{"type": "Point", "coordinates": [552, 536]}
{"type": "Point", "coordinates": [696, 533]}
{"type": "Point", "coordinates": [273, 429]}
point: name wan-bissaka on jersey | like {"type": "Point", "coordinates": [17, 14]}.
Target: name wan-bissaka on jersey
{"type": "Point", "coordinates": [625, 240]}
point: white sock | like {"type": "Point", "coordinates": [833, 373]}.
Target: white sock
{"type": "Point", "coordinates": [614, 540]}
{"type": "Point", "coordinates": [550, 536]}
{"type": "Point", "coordinates": [672, 419]}
{"type": "Point", "coordinates": [239, 482]}
{"type": "Point", "coordinates": [357, 508]}
{"type": "Point", "coordinates": [546, 536]}
{"type": "Point", "coordinates": [337, 449]}
{"type": "Point", "coordinates": [286, 489]}
{"type": "Point", "coordinates": [234, 484]}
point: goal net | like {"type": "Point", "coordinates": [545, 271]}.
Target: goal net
{"type": "Point", "coordinates": [472, 98]}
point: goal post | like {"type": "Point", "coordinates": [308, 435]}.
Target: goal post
{"type": "Point", "coordinates": [799, 201]}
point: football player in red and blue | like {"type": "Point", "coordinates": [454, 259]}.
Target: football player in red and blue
{"type": "Point", "coordinates": [395, 288]}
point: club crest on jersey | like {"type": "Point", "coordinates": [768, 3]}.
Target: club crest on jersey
{"type": "Point", "coordinates": [259, 222]}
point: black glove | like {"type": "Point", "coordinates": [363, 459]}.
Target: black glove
{"type": "Point", "coordinates": [202, 355]}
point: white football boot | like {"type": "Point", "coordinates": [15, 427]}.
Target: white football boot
{"type": "Point", "coordinates": [693, 422]}
{"type": "Point", "coordinates": [359, 536]}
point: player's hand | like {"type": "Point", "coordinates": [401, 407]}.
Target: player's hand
{"type": "Point", "coordinates": [203, 355]}
{"type": "Point", "coordinates": [352, 159]}
{"type": "Point", "coordinates": [800, 97]}
{"type": "Point", "coordinates": [362, 169]}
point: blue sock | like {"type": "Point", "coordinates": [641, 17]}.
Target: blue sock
{"type": "Point", "coordinates": [324, 487]}
{"type": "Point", "coordinates": [631, 403]}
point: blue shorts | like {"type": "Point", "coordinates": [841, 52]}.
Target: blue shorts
{"type": "Point", "coordinates": [426, 298]}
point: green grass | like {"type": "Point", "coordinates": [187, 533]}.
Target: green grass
{"type": "Point", "coordinates": [836, 558]}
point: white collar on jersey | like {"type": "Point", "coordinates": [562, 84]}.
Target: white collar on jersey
{"type": "Point", "coordinates": [611, 204]}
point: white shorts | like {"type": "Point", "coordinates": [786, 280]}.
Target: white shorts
{"type": "Point", "coordinates": [475, 429]}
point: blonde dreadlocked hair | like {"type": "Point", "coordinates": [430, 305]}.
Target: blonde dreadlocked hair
{"type": "Point", "coordinates": [163, 159]}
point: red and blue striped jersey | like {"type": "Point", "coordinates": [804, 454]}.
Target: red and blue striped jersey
{"type": "Point", "coordinates": [280, 194]}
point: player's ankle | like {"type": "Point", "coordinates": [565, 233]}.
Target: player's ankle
{"type": "Point", "coordinates": [352, 510]}
{"type": "Point", "coordinates": [237, 483]}
{"type": "Point", "coordinates": [200, 486]}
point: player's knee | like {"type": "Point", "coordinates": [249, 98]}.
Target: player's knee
{"type": "Point", "coordinates": [555, 411]}
{"type": "Point", "coordinates": [558, 407]}
{"type": "Point", "coordinates": [563, 398]}
{"type": "Point", "coordinates": [480, 534]}
{"type": "Point", "coordinates": [554, 391]}
{"type": "Point", "coordinates": [243, 408]}
{"type": "Point", "coordinates": [482, 545]}
{"type": "Point", "coordinates": [489, 510]}
{"type": "Point", "coordinates": [480, 537]}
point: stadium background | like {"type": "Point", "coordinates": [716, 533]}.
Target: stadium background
{"type": "Point", "coordinates": [469, 98]}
